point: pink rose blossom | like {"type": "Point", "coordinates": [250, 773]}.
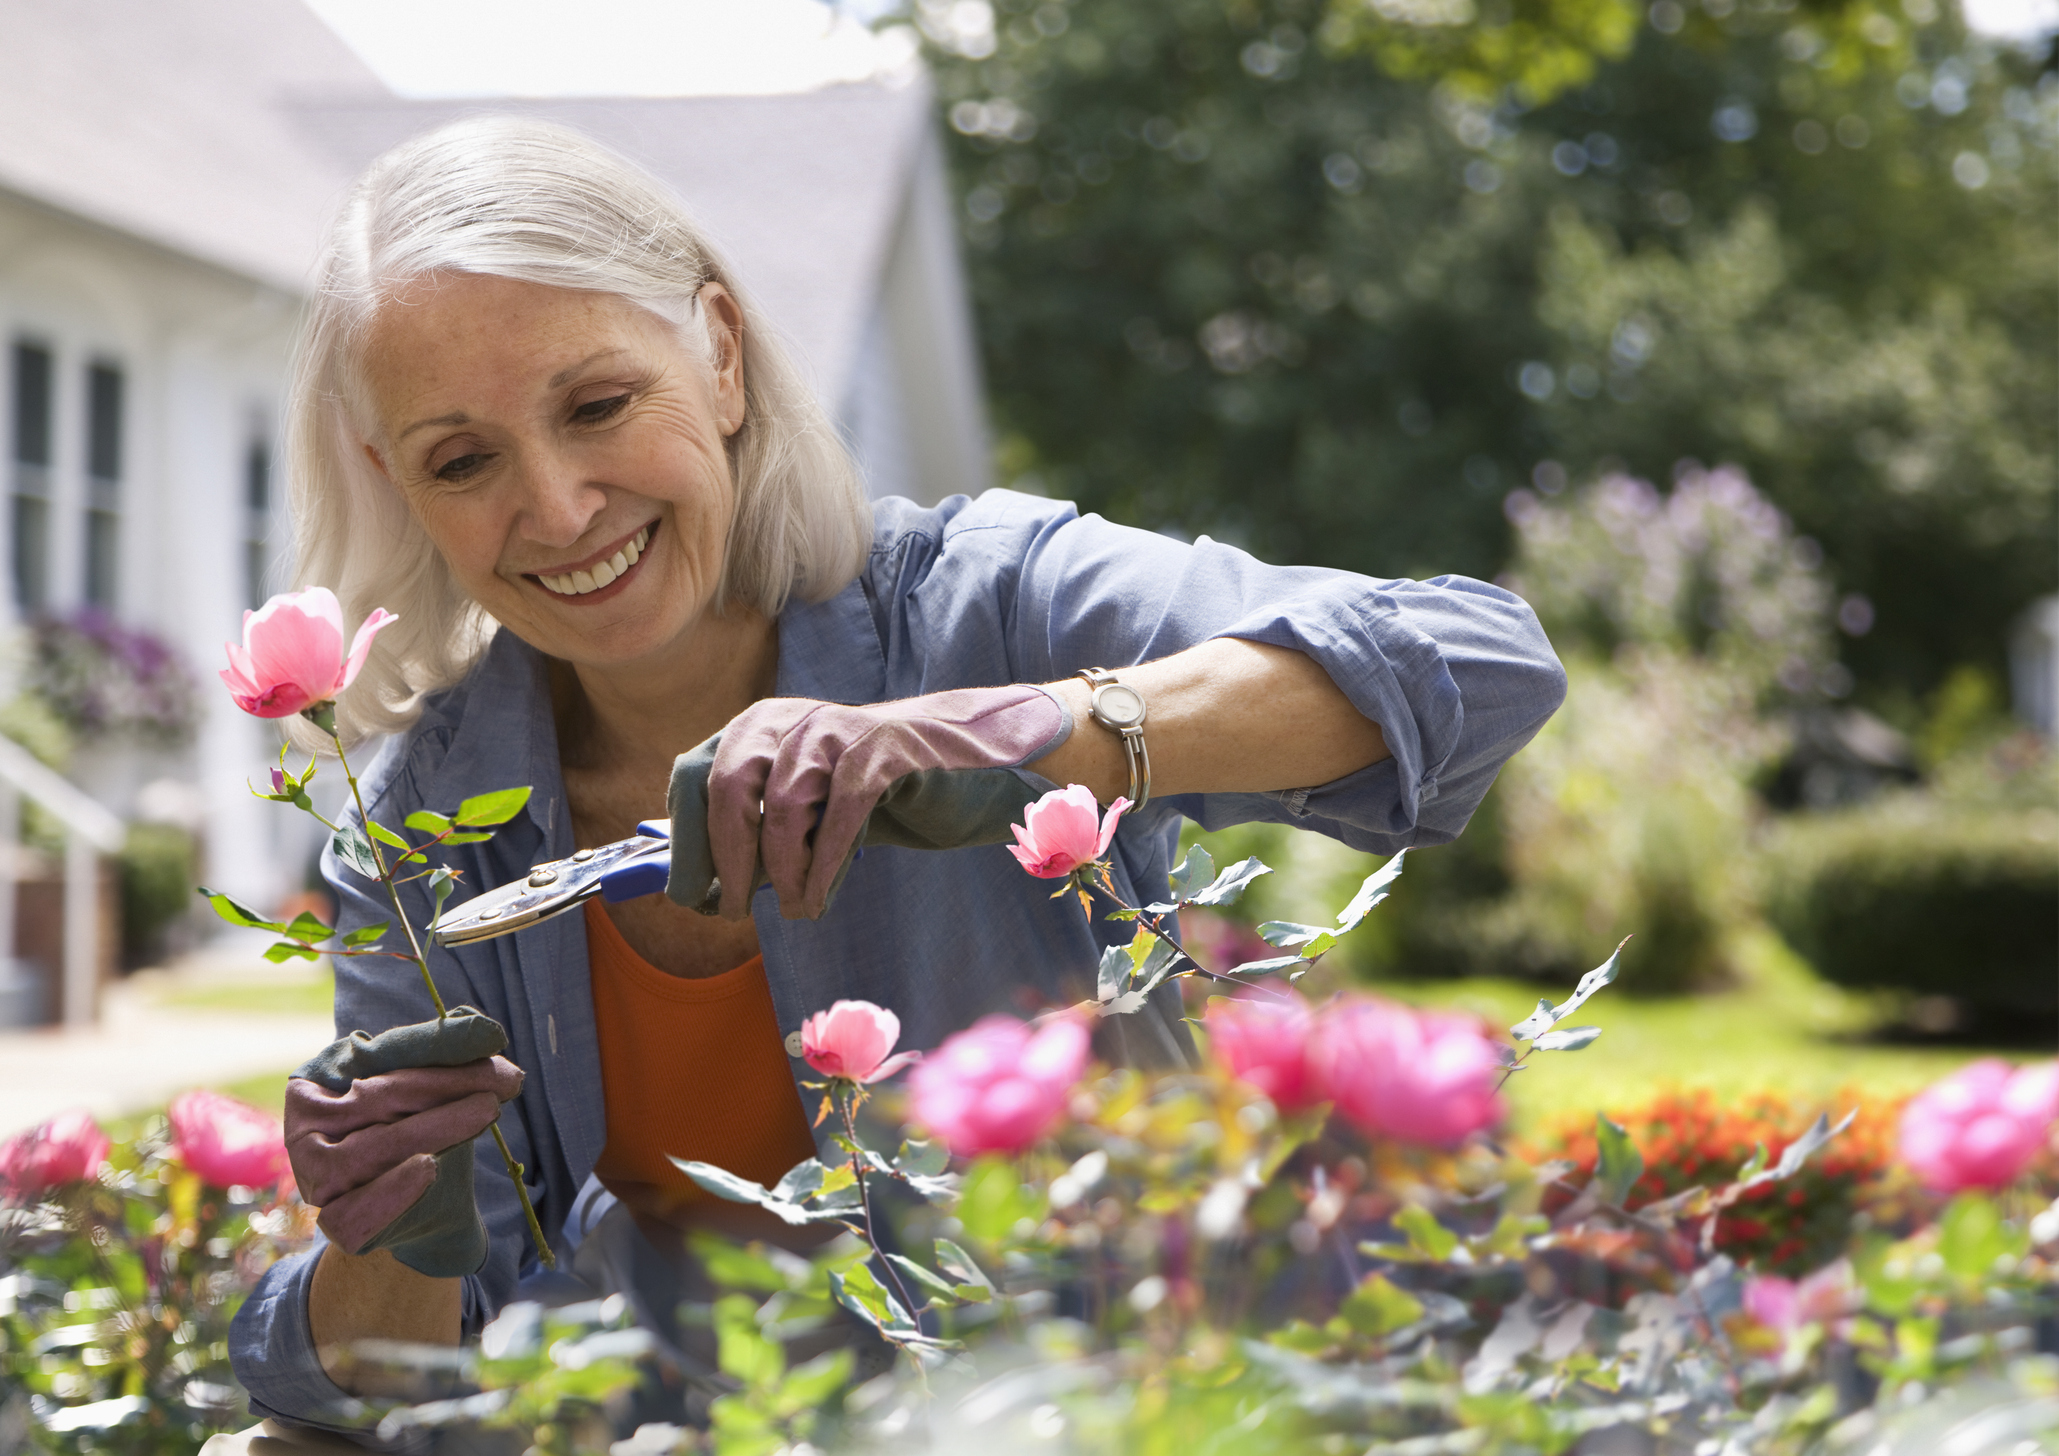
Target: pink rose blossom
{"type": "Point", "coordinates": [1981, 1126]}
{"type": "Point", "coordinates": [292, 654]}
{"type": "Point", "coordinates": [1064, 830]}
{"type": "Point", "coordinates": [1000, 1085]}
{"type": "Point", "coordinates": [1263, 1040]}
{"type": "Point", "coordinates": [1418, 1076]}
{"type": "Point", "coordinates": [228, 1143]}
{"type": "Point", "coordinates": [1785, 1306]}
{"type": "Point", "coordinates": [851, 1040]}
{"type": "Point", "coordinates": [69, 1148]}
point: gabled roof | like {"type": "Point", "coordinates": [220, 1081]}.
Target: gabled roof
{"type": "Point", "coordinates": [226, 130]}
{"type": "Point", "coordinates": [801, 193]}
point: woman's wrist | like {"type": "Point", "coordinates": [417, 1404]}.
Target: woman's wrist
{"type": "Point", "coordinates": [374, 1296]}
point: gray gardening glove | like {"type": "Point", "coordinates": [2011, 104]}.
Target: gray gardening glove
{"type": "Point", "coordinates": [929, 809]}
{"type": "Point", "coordinates": [380, 1128]}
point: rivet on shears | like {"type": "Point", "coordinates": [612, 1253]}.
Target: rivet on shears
{"type": "Point", "coordinates": [491, 912]}
{"type": "Point", "coordinates": [542, 875]}
{"type": "Point", "coordinates": [581, 856]}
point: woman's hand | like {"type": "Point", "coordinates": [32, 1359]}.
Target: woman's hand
{"type": "Point", "coordinates": [794, 779]}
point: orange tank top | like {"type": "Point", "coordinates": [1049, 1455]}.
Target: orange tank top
{"type": "Point", "coordinates": [692, 1069]}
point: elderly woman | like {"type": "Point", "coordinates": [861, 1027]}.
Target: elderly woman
{"type": "Point", "coordinates": [536, 416]}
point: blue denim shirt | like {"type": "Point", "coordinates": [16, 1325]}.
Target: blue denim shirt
{"type": "Point", "coordinates": [1003, 589]}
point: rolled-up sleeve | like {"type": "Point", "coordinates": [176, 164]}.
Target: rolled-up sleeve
{"type": "Point", "coordinates": [1457, 672]}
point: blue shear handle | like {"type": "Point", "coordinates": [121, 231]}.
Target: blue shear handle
{"type": "Point", "coordinates": [643, 876]}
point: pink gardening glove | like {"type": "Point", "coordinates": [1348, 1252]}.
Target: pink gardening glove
{"type": "Point", "coordinates": [819, 768]}
{"type": "Point", "coordinates": [366, 1155]}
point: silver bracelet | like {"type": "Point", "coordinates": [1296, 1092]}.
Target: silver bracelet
{"type": "Point", "coordinates": [1119, 708]}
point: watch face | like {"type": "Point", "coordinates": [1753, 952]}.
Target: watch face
{"type": "Point", "coordinates": [1118, 706]}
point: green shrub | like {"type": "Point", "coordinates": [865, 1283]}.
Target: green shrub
{"type": "Point", "coordinates": [1926, 897]}
{"type": "Point", "coordinates": [157, 873]}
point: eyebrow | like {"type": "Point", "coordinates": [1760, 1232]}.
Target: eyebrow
{"type": "Point", "coordinates": [459, 417]}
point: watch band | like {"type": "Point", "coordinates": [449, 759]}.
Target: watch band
{"type": "Point", "coordinates": [1119, 708]}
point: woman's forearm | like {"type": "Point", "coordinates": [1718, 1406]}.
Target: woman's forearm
{"type": "Point", "coordinates": [1227, 716]}
{"type": "Point", "coordinates": [376, 1297]}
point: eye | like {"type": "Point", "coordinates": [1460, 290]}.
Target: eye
{"type": "Point", "coordinates": [462, 466]}
{"type": "Point", "coordinates": [594, 411]}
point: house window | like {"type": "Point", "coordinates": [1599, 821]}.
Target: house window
{"type": "Point", "coordinates": [29, 488]}
{"type": "Point", "coordinates": [103, 482]}
{"type": "Point", "coordinates": [257, 520]}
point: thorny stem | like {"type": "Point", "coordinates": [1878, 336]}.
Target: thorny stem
{"type": "Point", "coordinates": [515, 1169]}
{"type": "Point", "coordinates": [1156, 924]}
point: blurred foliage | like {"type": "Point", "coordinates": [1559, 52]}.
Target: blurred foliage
{"type": "Point", "coordinates": [1329, 281]}
{"type": "Point", "coordinates": [158, 868]}
{"type": "Point", "coordinates": [1952, 892]}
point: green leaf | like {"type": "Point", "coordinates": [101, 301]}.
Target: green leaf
{"type": "Point", "coordinates": [1570, 1040]}
{"type": "Point", "coordinates": [809, 1386]}
{"type": "Point", "coordinates": [286, 950]}
{"type": "Point", "coordinates": [1378, 885]}
{"type": "Point", "coordinates": [241, 915]}
{"type": "Point", "coordinates": [961, 1266]}
{"type": "Point", "coordinates": [936, 1284]}
{"type": "Point", "coordinates": [1426, 1236]}
{"type": "Point", "coordinates": [463, 837]}
{"type": "Point", "coordinates": [1194, 872]}
{"type": "Point", "coordinates": [1116, 967]}
{"type": "Point", "coordinates": [1593, 981]}
{"type": "Point", "coordinates": [733, 1266]}
{"type": "Point", "coordinates": [994, 1200]}
{"type": "Point", "coordinates": [922, 1159]}
{"type": "Point", "coordinates": [1260, 968]}
{"type": "Point", "coordinates": [1972, 1236]}
{"type": "Point", "coordinates": [856, 1290]}
{"type": "Point", "coordinates": [367, 934]}
{"type": "Point", "coordinates": [1378, 1307]}
{"type": "Point", "coordinates": [1230, 885]}
{"type": "Point", "coordinates": [497, 807]}
{"type": "Point", "coordinates": [1621, 1164]}
{"type": "Point", "coordinates": [308, 927]}
{"type": "Point", "coordinates": [355, 850]}
{"type": "Point", "coordinates": [386, 836]}
{"type": "Point", "coordinates": [1288, 935]}
{"type": "Point", "coordinates": [1158, 958]}
{"type": "Point", "coordinates": [742, 1349]}
{"type": "Point", "coordinates": [1536, 1024]}
{"type": "Point", "coordinates": [428, 821]}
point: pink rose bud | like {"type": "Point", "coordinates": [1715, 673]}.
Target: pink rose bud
{"type": "Point", "coordinates": [999, 1085]}
{"type": "Point", "coordinates": [1064, 830]}
{"type": "Point", "coordinates": [1416, 1076]}
{"type": "Point", "coordinates": [69, 1148]}
{"type": "Point", "coordinates": [278, 782]}
{"type": "Point", "coordinates": [851, 1040]}
{"type": "Point", "coordinates": [1784, 1306]}
{"type": "Point", "coordinates": [1263, 1041]}
{"type": "Point", "coordinates": [230, 1144]}
{"type": "Point", "coordinates": [1981, 1126]}
{"type": "Point", "coordinates": [292, 655]}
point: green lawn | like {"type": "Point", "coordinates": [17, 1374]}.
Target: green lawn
{"type": "Point", "coordinates": [1783, 1029]}
{"type": "Point", "coordinates": [299, 997]}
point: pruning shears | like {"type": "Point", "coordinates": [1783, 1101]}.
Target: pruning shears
{"type": "Point", "coordinates": [624, 870]}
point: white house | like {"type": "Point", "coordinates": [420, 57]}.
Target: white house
{"type": "Point", "coordinates": [166, 167]}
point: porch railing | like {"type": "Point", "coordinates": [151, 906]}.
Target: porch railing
{"type": "Point", "coordinates": [89, 831]}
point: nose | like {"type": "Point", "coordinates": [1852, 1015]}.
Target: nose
{"type": "Point", "coordinates": [560, 502]}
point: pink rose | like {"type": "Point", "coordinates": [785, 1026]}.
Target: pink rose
{"type": "Point", "coordinates": [1000, 1085]}
{"type": "Point", "coordinates": [292, 654]}
{"type": "Point", "coordinates": [1263, 1040]}
{"type": "Point", "coordinates": [1064, 830]}
{"type": "Point", "coordinates": [1981, 1126]}
{"type": "Point", "coordinates": [1784, 1306]}
{"type": "Point", "coordinates": [228, 1143]}
{"type": "Point", "coordinates": [1416, 1076]}
{"type": "Point", "coordinates": [851, 1040]}
{"type": "Point", "coordinates": [69, 1148]}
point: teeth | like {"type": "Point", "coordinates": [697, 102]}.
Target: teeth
{"type": "Point", "coordinates": [579, 583]}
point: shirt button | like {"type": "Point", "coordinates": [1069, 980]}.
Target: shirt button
{"type": "Point", "coordinates": [793, 1043]}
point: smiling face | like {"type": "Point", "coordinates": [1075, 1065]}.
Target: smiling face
{"type": "Point", "coordinates": [565, 452]}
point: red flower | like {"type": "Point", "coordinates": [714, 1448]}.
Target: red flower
{"type": "Point", "coordinates": [1064, 830]}
{"type": "Point", "coordinates": [292, 655]}
{"type": "Point", "coordinates": [69, 1148]}
{"type": "Point", "coordinates": [228, 1143]}
{"type": "Point", "coordinates": [851, 1040]}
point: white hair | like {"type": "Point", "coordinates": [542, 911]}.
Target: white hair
{"type": "Point", "coordinates": [540, 203]}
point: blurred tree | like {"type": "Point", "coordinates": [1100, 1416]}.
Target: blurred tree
{"type": "Point", "coordinates": [1331, 280]}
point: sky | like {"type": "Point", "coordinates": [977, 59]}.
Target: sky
{"type": "Point", "coordinates": [431, 48]}
{"type": "Point", "coordinates": [442, 48]}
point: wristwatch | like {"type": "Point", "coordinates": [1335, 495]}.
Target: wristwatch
{"type": "Point", "coordinates": [1119, 708]}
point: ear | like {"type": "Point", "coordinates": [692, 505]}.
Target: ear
{"type": "Point", "coordinates": [725, 323]}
